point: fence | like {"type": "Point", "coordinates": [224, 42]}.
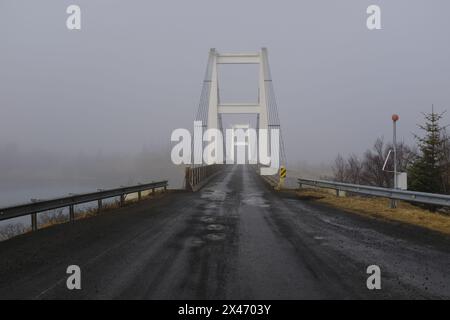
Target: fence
{"type": "Point", "coordinates": [70, 201]}
{"type": "Point", "coordinates": [396, 194]}
{"type": "Point", "coordinates": [196, 177]}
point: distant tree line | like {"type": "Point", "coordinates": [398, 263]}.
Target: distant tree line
{"type": "Point", "coordinates": [427, 162]}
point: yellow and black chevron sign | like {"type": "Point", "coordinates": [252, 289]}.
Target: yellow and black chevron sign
{"type": "Point", "coordinates": [282, 172]}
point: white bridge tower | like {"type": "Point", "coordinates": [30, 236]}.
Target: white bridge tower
{"type": "Point", "coordinates": [211, 109]}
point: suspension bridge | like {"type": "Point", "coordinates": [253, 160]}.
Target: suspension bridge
{"type": "Point", "coordinates": [231, 235]}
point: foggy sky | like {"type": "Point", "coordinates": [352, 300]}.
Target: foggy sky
{"type": "Point", "coordinates": [134, 72]}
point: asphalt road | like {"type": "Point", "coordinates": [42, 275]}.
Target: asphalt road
{"type": "Point", "coordinates": [235, 239]}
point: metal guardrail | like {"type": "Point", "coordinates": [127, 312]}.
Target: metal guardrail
{"type": "Point", "coordinates": [72, 200]}
{"type": "Point", "coordinates": [414, 196]}
{"type": "Point", "coordinates": [196, 177]}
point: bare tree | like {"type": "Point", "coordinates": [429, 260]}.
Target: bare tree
{"type": "Point", "coordinates": [373, 164]}
{"type": "Point", "coordinates": [445, 160]}
{"type": "Point", "coordinates": [339, 169]}
{"type": "Point", "coordinates": [405, 156]}
{"type": "Point", "coordinates": [354, 169]}
{"type": "Point", "coordinates": [369, 170]}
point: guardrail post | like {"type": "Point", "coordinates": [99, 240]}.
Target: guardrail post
{"type": "Point", "coordinates": [337, 192]}
{"type": "Point", "coordinates": [165, 188]}
{"type": "Point", "coordinates": [34, 221]}
{"type": "Point", "coordinates": [139, 195]}
{"type": "Point", "coordinates": [153, 191]}
{"type": "Point", "coordinates": [71, 214]}
{"type": "Point", "coordinates": [393, 204]}
{"type": "Point", "coordinates": [122, 200]}
{"type": "Point", "coordinates": [99, 205]}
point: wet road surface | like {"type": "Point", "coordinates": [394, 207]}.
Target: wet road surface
{"type": "Point", "coordinates": [234, 239]}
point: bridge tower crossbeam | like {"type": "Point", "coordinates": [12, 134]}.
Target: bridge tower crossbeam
{"type": "Point", "coordinates": [211, 109]}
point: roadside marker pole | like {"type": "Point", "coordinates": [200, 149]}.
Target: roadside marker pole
{"type": "Point", "coordinates": [282, 177]}
{"type": "Point", "coordinates": [394, 143]}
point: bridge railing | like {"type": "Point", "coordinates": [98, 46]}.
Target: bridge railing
{"type": "Point", "coordinates": [196, 177]}
{"type": "Point", "coordinates": [396, 194]}
{"type": "Point", "coordinates": [70, 201]}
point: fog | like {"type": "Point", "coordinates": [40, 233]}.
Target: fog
{"type": "Point", "coordinates": [101, 103]}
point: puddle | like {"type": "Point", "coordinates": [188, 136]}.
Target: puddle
{"type": "Point", "coordinates": [215, 227]}
{"type": "Point", "coordinates": [207, 219]}
{"type": "Point", "coordinates": [214, 195]}
{"type": "Point", "coordinates": [255, 199]}
{"type": "Point", "coordinates": [215, 236]}
{"type": "Point", "coordinates": [196, 242]}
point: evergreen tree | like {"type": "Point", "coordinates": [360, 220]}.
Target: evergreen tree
{"type": "Point", "coordinates": [426, 172]}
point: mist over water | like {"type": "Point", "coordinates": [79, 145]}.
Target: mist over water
{"type": "Point", "coordinates": [95, 108]}
{"type": "Point", "coordinates": [43, 175]}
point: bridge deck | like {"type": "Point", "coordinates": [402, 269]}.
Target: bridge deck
{"type": "Point", "coordinates": [234, 239]}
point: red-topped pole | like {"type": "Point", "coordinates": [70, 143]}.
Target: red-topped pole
{"type": "Point", "coordinates": [395, 118]}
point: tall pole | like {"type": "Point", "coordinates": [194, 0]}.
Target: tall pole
{"type": "Point", "coordinates": [395, 118]}
{"type": "Point", "coordinates": [395, 153]}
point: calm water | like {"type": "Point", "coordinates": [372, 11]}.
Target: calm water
{"type": "Point", "coordinates": [14, 193]}
{"type": "Point", "coordinates": [23, 192]}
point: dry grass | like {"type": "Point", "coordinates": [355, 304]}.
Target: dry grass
{"type": "Point", "coordinates": [379, 208]}
{"type": "Point", "coordinates": [11, 230]}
